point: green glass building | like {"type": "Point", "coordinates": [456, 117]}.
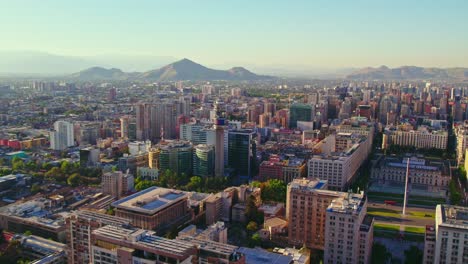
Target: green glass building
{"type": "Point", "coordinates": [242, 152]}
{"type": "Point", "coordinates": [299, 112]}
{"type": "Point", "coordinates": [204, 160]}
{"type": "Point", "coordinates": [176, 156]}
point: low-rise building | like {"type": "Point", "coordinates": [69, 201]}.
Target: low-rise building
{"type": "Point", "coordinates": [117, 183]}
{"type": "Point", "coordinates": [154, 208]}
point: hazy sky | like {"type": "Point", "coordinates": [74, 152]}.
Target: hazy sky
{"type": "Point", "coordinates": [329, 33]}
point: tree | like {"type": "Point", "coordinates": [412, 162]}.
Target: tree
{"type": "Point", "coordinates": [144, 184]}
{"type": "Point", "coordinates": [110, 211]}
{"type": "Point", "coordinates": [413, 255]}
{"type": "Point", "coordinates": [35, 188]}
{"type": "Point", "coordinates": [272, 190]}
{"type": "Point", "coordinates": [74, 180]}
{"type": "Point", "coordinates": [380, 254]}
{"type": "Point", "coordinates": [455, 195]}
{"type": "Point", "coordinates": [66, 167]}
{"type": "Point", "coordinates": [17, 164]}
{"type": "Point", "coordinates": [251, 210]}
{"type": "Point", "coordinates": [255, 240]}
{"type": "Point", "coordinates": [31, 165]}
{"type": "Point", "coordinates": [194, 184]}
{"type": "Point", "coordinates": [27, 233]}
{"type": "Point", "coordinates": [55, 174]}
{"type": "Point", "coordinates": [252, 226]}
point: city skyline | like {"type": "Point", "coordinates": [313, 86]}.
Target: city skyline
{"type": "Point", "coordinates": [319, 35]}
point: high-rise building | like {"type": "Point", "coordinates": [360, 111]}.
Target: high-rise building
{"type": "Point", "coordinates": [63, 135]}
{"type": "Point", "coordinates": [204, 160]}
{"type": "Point", "coordinates": [80, 225]}
{"type": "Point", "coordinates": [242, 151]}
{"type": "Point", "coordinates": [124, 122]}
{"type": "Point", "coordinates": [176, 156]}
{"type": "Point", "coordinates": [117, 183]}
{"type": "Point", "coordinates": [300, 112]}
{"type": "Point", "coordinates": [306, 203]}
{"type": "Point", "coordinates": [451, 235]}
{"type": "Point", "coordinates": [89, 133]}
{"type": "Point", "coordinates": [348, 232]}
{"type": "Point", "coordinates": [328, 220]}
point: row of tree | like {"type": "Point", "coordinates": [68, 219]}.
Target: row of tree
{"type": "Point", "coordinates": [170, 179]}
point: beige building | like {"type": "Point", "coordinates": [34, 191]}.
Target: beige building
{"type": "Point", "coordinates": [451, 235]}
{"type": "Point", "coordinates": [434, 175]}
{"type": "Point", "coordinates": [348, 232]}
{"type": "Point", "coordinates": [429, 245]}
{"type": "Point", "coordinates": [461, 133]}
{"type": "Point", "coordinates": [306, 201]}
{"type": "Point", "coordinates": [117, 183]}
{"type": "Point", "coordinates": [422, 138]}
{"type": "Point", "coordinates": [339, 158]}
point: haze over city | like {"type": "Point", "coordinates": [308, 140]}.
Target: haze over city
{"type": "Point", "coordinates": [234, 132]}
{"type": "Point", "coordinates": [294, 36]}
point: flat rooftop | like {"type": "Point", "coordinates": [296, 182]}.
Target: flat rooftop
{"type": "Point", "coordinates": [150, 201]}
{"type": "Point", "coordinates": [260, 256]}
{"type": "Point", "coordinates": [209, 245]}
{"type": "Point", "coordinates": [348, 203]}
{"type": "Point", "coordinates": [452, 216]}
{"type": "Point", "coordinates": [308, 184]}
{"type": "Point", "coordinates": [145, 239]}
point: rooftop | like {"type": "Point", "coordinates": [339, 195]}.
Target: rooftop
{"type": "Point", "coordinates": [150, 201]}
{"type": "Point", "coordinates": [308, 184]}
{"type": "Point", "coordinates": [452, 216]}
{"type": "Point", "coordinates": [260, 256]}
{"type": "Point", "coordinates": [348, 203]}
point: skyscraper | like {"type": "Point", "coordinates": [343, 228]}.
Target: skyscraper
{"type": "Point", "coordinates": [177, 157]}
{"type": "Point", "coordinates": [242, 151]}
{"type": "Point", "coordinates": [204, 160]}
{"type": "Point", "coordinates": [300, 112]}
{"type": "Point", "coordinates": [63, 136]}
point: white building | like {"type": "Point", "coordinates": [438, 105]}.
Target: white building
{"type": "Point", "coordinates": [62, 137]}
{"type": "Point", "coordinates": [348, 232]}
{"type": "Point", "coordinates": [451, 235]}
{"type": "Point", "coordinates": [340, 157]}
{"type": "Point", "coordinates": [139, 147]}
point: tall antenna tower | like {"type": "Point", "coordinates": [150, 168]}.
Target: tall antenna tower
{"type": "Point", "coordinates": [406, 187]}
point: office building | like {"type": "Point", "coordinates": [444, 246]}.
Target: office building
{"type": "Point", "coordinates": [63, 135]}
{"type": "Point", "coordinates": [154, 208]}
{"type": "Point", "coordinates": [338, 158]}
{"type": "Point", "coordinates": [126, 245]}
{"type": "Point", "coordinates": [451, 235]}
{"type": "Point", "coordinates": [177, 157]}
{"type": "Point", "coordinates": [204, 160]}
{"type": "Point", "coordinates": [80, 225]}
{"type": "Point", "coordinates": [117, 183]}
{"type": "Point", "coordinates": [300, 112]}
{"type": "Point", "coordinates": [242, 152]}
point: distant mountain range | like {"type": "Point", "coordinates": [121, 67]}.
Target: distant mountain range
{"type": "Point", "coordinates": [27, 63]}
{"type": "Point", "coordinates": [180, 70]}
{"type": "Point", "coordinates": [409, 73]}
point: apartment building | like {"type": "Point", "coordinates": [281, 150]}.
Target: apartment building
{"type": "Point", "coordinates": [451, 235]}
{"type": "Point", "coordinates": [348, 232]}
